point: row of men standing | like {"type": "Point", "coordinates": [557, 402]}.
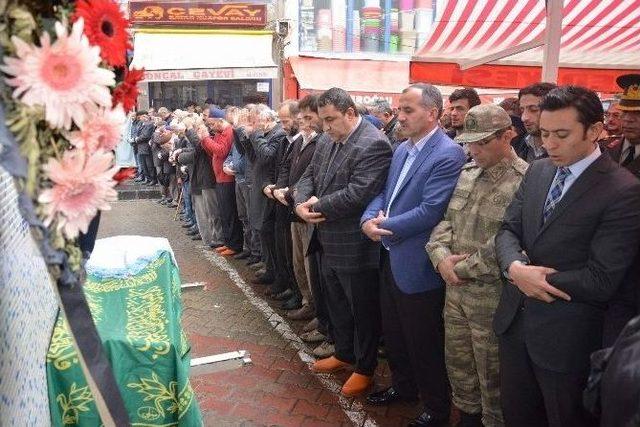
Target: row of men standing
{"type": "Point", "coordinates": [554, 273]}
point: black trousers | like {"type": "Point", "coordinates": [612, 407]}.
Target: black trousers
{"type": "Point", "coordinates": [284, 250]}
{"type": "Point", "coordinates": [231, 226]}
{"type": "Point", "coordinates": [148, 170]}
{"type": "Point", "coordinates": [319, 295]}
{"type": "Point", "coordinates": [533, 396]}
{"type": "Point", "coordinates": [354, 308]}
{"type": "Point", "coordinates": [413, 331]}
{"type": "Point", "coordinates": [268, 240]}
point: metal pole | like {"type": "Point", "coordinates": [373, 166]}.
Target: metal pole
{"type": "Point", "coordinates": [552, 36]}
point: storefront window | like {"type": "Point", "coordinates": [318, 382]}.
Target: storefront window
{"type": "Point", "coordinates": [377, 26]}
{"type": "Point", "coordinates": [178, 94]}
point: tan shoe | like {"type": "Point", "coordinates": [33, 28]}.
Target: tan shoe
{"type": "Point", "coordinates": [329, 365]}
{"type": "Point", "coordinates": [356, 385]}
{"type": "Point", "coordinates": [221, 249]}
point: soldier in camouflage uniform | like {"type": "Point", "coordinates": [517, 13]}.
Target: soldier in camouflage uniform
{"type": "Point", "coordinates": [461, 247]}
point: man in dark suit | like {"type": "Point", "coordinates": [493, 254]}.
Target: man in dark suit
{"type": "Point", "coordinates": [345, 174]}
{"type": "Point", "coordinates": [263, 147]}
{"type": "Point", "coordinates": [423, 174]}
{"type": "Point", "coordinates": [300, 154]}
{"type": "Point", "coordinates": [566, 242]}
{"type": "Point", "coordinates": [626, 303]}
{"type": "Point", "coordinates": [143, 137]}
{"type": "Point", "coordinates": [285, 288]}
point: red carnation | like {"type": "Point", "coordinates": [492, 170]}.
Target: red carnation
{"type": "Point", "coordinates": [126, 93]}
{"type": "Point", "coordinates": [105, 26]}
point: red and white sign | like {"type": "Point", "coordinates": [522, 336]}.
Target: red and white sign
{"type": "Point", "coordinates": [258, 73]}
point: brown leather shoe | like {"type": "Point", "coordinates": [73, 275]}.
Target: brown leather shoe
{"type": "Point", "coordinates": [356, 385]}
{"type": "Point", "coordinates": [221, 249]}
{"type": "Point", "coordinates": [228, 252]}
{"type": "Point", "coordinates": [329, 365]}
{"type": "Point", "coordinates": [306, 312]}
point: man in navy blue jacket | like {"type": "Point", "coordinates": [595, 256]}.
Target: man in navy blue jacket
{"type": "Point", "coordinates": [423, 174]}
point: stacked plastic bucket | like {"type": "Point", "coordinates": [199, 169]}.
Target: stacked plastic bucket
{"type": "Point", "coordinates": [371, 26]}
{"type": "Point", "coordinates": [324, 30]}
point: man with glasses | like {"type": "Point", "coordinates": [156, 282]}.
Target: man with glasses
{"type": "Point", "coordinates": [461, 248]}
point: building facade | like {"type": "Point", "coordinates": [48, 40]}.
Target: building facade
{"type": "Point", "coordinates": [204, 51]}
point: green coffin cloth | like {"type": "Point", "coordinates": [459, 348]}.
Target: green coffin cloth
{"type": "Point", "coordinates": [138, 319]}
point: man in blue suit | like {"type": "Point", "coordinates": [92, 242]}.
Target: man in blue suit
{"type": "Point", "coordinates": [421, 179]}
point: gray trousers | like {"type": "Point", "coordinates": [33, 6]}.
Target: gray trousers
{"type": "Point", "coordinates": [300, 241]}
{"type": "Point", "coordinates": [205, 206]}
{"type": "Point", "coordinates": [251, 238]}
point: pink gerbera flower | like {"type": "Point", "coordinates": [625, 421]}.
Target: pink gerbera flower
{"type": "Point", "coordinates": [101, 131]}
{"type": "Point", "coordinates": [64, 76]}
{"type": "Point", "coordinates": [82, 184]}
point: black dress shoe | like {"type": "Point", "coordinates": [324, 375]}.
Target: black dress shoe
{"type": "Point", "coordinates": [192, 232]}
{"type": "Point", "coordinates": [426, 419]}
{"type": "Point", "coordinates": [387, 396]}
{"type": "Point", "coordinates": [262, 280]}
{"type": "Point", "coordinates": [284, 295]}
{"type": "Point", "coordinates": [293, 303]}
{"type": "Point", "coordinates": [187, 225]}
{"type": "Point", "coordinates": [196, 237]}
{"type": "Point", "coordinates": [152, 183]}
{"type": "Point", "coordinates": [274, 289]}
{"type": "Point", "coordinates": [469, 420]}
{"type": "Point", "coordinates": [242, 255]}
{"type": "Point", "coordinates": [253, 260]}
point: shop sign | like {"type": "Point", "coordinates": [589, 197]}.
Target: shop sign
{"type": "Point", "coordinates": [145, 12]}
{"type": "Point", "coordinates": [211, 74]}
{"type": "Point", "coordinates": [361, 97]}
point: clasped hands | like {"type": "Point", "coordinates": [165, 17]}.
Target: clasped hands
{"type": "Point", "coordinates": [305, 211]}
{"type": "Point", "coordinates": [532, 281]}
{"type": "Point", "coordinates": [371, 228]}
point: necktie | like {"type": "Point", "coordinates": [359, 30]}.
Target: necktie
{"type": "Point", "coordinates": [334, 152]}
{"type": "Point", "coordinates": [631, 154]}
{"type": "Point", "coordinates": [555, 194]}
{"type": "Point", "coordinates": [332, 156]}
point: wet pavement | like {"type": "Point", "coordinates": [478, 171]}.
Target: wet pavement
{"type": "Point", "coordinates": [229, 314]}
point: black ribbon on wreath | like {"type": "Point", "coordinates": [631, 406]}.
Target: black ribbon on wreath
{"type": "Point", "coordinates": [96, 366]}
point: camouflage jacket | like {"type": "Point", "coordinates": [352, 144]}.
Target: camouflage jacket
{"type": "Point", "coordinates": [474, 216]}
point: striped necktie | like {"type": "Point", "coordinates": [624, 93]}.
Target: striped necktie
{"type": "Point", "coordinates": [555, 194]}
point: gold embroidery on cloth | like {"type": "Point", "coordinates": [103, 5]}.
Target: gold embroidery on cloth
{"type": "Point", "coordinates": [184, 399]}
{"type": "Point", "coordinates": [61, 351]}
{"type": "Point", "coordinates": [147, 276]}
{"type": "Point", "coordinates": [146, 321]}
{"type": "Point", "coordinates": [77, 401]}
{"type": "Point", "coordinates": [164, 398]}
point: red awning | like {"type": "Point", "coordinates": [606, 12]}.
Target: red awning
{"type": "Point", "coordinates": [352, 75]}
{"type": "Point", "coordinates": [602, 36]}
